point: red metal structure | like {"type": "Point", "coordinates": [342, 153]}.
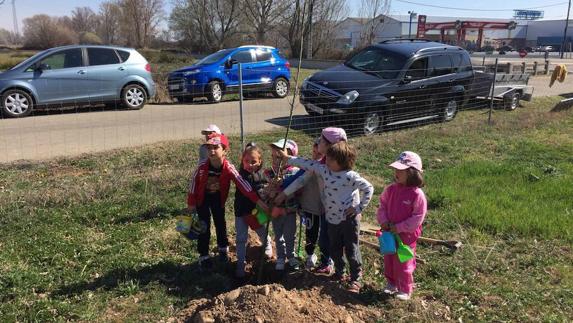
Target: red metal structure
{"type": "Point", "coordinates": [461, 27]}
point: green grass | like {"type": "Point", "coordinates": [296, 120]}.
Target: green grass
{"type": "Point", "coordinates": [11, 58]}
{"type": "Point", "coordinates": [92, 238]}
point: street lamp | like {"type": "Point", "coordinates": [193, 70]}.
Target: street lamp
{"type": "Point", "coordinates": [412, 16]}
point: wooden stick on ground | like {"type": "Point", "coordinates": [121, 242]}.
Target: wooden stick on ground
{"type": "Point", "coordinates": [453, 245]}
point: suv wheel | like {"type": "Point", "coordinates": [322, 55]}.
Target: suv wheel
{"type": "Point", "coordinates": [214, 92]}
{"type": "Point", "coordinates": [511, 102]}
{"type": "Point", "coordinates": [372, 123]}
{"type": "Point", "coordinates": [133, 97]}
{"type": "Point", "coordinates": [280, 87]}
{"type": "Point", "coordinates": [450, 110]}
{"type": "Point", "coordinates": [17, 103]}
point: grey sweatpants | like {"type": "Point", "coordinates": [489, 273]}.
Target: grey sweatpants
{"type": "Point", "coordinates": [242, 235]}
{"type": "Point", "coordinates": [344, 237]}
{"type": "Point", "coordinates": [285, 231]}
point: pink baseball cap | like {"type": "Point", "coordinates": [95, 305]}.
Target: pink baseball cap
{"type": "Point", "coordinates": [290, 144]}
{"type": "Point", "coordinates": [211, 128]}
{"type": "Point", "coordinates": [406, 160]}
{"type": "Point", "coordinates": [334, 135]}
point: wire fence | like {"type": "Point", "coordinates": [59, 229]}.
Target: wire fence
{"type": "Point", "coordinates": [364, 102]}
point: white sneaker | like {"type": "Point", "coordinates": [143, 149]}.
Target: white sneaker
{"type": "Point", "coordinates": [403, 296]}
{"type": "Point", "coordinates": [280, 265]}
{"type": "Point", "coordinates": [311, 261]}
{"type": "Point", "coordinates": [269, 249]}
{"type": "Point", "coordinates": [390, 289]}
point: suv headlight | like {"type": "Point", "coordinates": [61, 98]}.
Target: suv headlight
{"type": "Point", "coordinates": [191, 72]}
{"type": "Point", "coordinates": [348, 98]}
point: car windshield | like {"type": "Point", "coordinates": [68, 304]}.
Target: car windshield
{"type": "Point", "coordinates": [215, 57]}
{"type": "Point", "coordinates": [26, 61]}
{"type": "Point", "coordinates": [384, 64]}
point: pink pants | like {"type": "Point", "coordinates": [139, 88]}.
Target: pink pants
{"type": "Point", "coordinates": [400, 274]}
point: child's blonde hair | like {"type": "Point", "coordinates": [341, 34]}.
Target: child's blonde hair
{"type": "Point", "coordinates": [343, 153]}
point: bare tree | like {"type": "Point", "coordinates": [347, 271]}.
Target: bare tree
{"type": "Point", "coordinates": [140, 20]}
{"type": "Point", "coordinates": [372, 10]}
{"type": "Point", "coordinates": [206, 24]}
{"type": "Point", "coordinates": [326, 15]}
{"type": "Point", "coordinates": [262, 14]}
{"type": "Point", "coordinates": [43, 31]}
{"type": "Point", "coordinates": [109, 17]}
{"type": "Point", "coordinates": [317, 21]}
{"type": "Point", "coordinates": [84, 19]}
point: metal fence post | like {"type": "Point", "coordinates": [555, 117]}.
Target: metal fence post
{"type": "Point", "coordinates": [491, 94]}
{"type": "Point", "coordinates": [241, 105]}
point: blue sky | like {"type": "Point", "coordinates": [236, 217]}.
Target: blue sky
{"type": "Point", "coordinates": [27, 8]}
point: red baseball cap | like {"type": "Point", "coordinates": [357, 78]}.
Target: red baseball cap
{"type": "Point", "coordinates": [218, 139]}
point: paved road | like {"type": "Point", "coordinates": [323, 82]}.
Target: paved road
{"type": "Point", "coordinates": [55, 134]}
{"type": "Point", "coordinates": [67, 134]}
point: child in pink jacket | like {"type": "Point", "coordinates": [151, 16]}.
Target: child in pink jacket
{"type": "Point", "coordinates": [402, 210]}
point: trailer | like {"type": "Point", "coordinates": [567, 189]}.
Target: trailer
{"type": "Point", "coordinates": [508, 90]}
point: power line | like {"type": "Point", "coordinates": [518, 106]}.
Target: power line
{"type": "Point", "coordinates": [474, 9]}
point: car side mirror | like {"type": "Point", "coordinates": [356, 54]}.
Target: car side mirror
{"type": "Point", "coordinates": [407, 79]}
{"type": "Point", "coordinates": [230, 62]}
{"type": "Point", "coordinates": [41, 67]}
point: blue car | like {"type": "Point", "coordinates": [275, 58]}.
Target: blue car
{"type": "Point", "coordinates": [76, 75]}
{"type": "Point", "coordinates": [263, 70]}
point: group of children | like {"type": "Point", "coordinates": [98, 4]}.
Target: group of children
{"type": "Point", "coordinates": [324, 191]}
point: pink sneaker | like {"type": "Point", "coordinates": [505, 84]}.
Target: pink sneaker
{"type": "Point", "coordinates": [325, 269]}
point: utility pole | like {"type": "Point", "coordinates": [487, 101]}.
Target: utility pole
{"type": "Point", "coordinates": [412, 15]}
{"type": "Point", "coordinates": [561, 50]}
{"type": "Point", "coordinates": [309, 45]}
{"type": "Point", "coordinates": [15, 18]}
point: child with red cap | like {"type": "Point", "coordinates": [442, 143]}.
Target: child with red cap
{"type": "Point", "coordinates": [211, 129]}
{"type": "Point", "coordinates": [208, 193]}
{"type": "Point", "coordinates": [402, 210]}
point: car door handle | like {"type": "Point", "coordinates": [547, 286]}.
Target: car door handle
{"type": "Point", "coordinates": [81, 72]}
{"type": "Point", "coordinates": [451, 81]}
{"type": "Point", "coordinates": [121, 68]}
{"type": "Point", "coordinates": [423, 86]}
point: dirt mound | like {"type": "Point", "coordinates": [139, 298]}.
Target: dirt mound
{"type": "Point", "coordinates": [274, 302]}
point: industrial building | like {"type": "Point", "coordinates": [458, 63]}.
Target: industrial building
{"type": "Point", "coordinates": [471, 33]}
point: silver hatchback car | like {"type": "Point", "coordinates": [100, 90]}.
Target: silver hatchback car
{"type": "Point", "coordinates": [76, 75]}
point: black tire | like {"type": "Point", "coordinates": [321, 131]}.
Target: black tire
{"type": "Point", "coordinates": [281, 87]}
{"type": "Point", "coordinates": [450, 109]}
{"type": "Point", "coordinates": [17, 103]}
{"type": "Point", "coordinates": [133, 97]}
{"type": "Point", "coordinates": [511, 102]}
{"type": "Point", "coordinates": [214, 92]}
{"type": "Point", "coordinates": [371, 123]}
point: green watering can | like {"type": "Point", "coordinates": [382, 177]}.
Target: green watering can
{"type": "Point", "coordinates": [403, 251]}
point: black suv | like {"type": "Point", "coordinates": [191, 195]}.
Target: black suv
{"type": "Point", "coordinates": [393, 82]}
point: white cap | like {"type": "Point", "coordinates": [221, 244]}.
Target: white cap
{"type": "Point", "coordinates": [211, 128]}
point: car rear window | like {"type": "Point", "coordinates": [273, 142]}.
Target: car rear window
{"type": "Point", "coordinates": [440, 65]}
{"type": "Point", "coordinates": [123, 54]}
{"type": "Point", "coordinates": [263, 55]}
{"type": "Point", "coordinates": [462, 63]}
{"type": "Point", "coordinates": [102, 56]}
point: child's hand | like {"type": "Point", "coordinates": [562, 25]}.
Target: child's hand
{"type": "Point", "coordinates": [264, 206]}
{"type": "Point", "coordinates": [283, 154]}
{"type": "Point", "coordinates": [280, 198]}
{"type": "Point", "coordinates": [350, 212]}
